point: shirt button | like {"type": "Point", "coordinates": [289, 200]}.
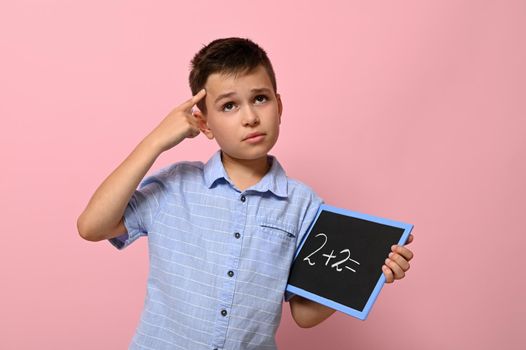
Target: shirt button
{"type": "Point", "coordinates": [237, 235]}
{"type": "Point", "coordinates": [243, 199]}
{"type": "Point", "coordinates": [223, 312]}
{"type": "Point", "coordinates": [230, 273]}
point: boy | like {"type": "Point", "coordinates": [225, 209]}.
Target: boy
{"type": "Point", "coordinates": [221, 235]}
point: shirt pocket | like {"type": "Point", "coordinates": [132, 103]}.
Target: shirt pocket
{"type": "Point", "coordinates": [278, 236]}
{"type": "Point", "coordinates": [276, 230]}
{"type": "Point", "coordinates": [276, 241]}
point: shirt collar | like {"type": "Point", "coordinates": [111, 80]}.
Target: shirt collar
{"type": "Point", "coordinates": [275, 180]}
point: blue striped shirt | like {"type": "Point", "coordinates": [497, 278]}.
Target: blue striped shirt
{"type": "Point", "coordinates": [219, 257]}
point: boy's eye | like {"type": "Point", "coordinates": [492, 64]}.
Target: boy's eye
{"type": "Point", "coordinates": [261, 99]}
{"type": "Point", "coordinates": [227, 107]}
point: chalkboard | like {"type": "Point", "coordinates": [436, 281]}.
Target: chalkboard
{"type": "Point", "coordinates": [339, 262]}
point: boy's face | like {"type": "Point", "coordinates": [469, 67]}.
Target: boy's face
{"type": "Point", "coordinates": [243, 113]}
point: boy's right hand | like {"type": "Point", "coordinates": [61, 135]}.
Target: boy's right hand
{"type": "Point", "coordinates": [179, 124]}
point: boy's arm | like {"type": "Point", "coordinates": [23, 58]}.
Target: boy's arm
{"type": "Point", "coordinates": [103, 217]}
{"type": "Point", "coordinates": [308, 313]}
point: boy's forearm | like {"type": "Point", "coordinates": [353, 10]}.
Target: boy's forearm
{"type": "Point", "coordinates": [308, 313]}
{"type": "Point", "coordinates": [107, 205]}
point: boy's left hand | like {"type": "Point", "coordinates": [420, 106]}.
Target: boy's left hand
{"type": "Point", "coordinates": [397, 264]}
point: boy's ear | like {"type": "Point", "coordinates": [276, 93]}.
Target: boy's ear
{"type": "Point", "coordinates": [203, 125]}
{"type": "Point", "coordinates": [280, 106]}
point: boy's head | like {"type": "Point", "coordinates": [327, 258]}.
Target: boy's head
{"type": "Point", "coordinates": [241, 109]}
{"type": "Point", "coordinates": [228, 56]}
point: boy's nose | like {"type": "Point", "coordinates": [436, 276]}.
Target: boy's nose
{"type": "Point", "coordinates": [250, 117]}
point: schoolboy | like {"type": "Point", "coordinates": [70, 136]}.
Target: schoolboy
{"type": "Point", "coordinates": [222, 234]}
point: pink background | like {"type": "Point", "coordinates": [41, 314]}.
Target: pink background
{"type": "Point", "coordinates": [411, 110]}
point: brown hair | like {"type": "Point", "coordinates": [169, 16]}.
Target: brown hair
{"type": "Point", "coordinates": [227, 56]}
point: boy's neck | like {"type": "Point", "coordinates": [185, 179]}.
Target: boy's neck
{"type": "Point", "coordinates": [245, 173]}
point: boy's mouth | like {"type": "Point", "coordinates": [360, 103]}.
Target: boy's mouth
{"type": "Point", "coordinates": [254, 135]}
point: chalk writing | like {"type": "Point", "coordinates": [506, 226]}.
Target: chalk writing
{"type": "Point", "coordinates": [331, 256]}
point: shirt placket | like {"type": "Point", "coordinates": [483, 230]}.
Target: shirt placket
{"type": "Point", "coordinates": [226, 295]}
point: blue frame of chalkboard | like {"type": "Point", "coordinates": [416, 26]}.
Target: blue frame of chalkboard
{"type": "Point", "coordinates": [360, 314]}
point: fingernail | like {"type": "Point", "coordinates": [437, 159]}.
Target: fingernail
{"type": "Point", "coordinates": [391, 255]}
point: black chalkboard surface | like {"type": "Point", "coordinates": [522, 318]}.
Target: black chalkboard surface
{"type": "Point", "coordinates": [339, 262]}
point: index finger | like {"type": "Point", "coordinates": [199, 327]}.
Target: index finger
{"type": "Point", "coordinates": [196, 98]}
{"type": "Point", "coordinates": [406, 253]}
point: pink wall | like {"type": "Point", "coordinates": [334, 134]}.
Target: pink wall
{"type": "Point", "coordinates": [412, 110]}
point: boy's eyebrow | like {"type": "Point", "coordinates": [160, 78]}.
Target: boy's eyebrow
{"type": "Point", "coordinates": [254, 91]}
{"type": "Point", "coordinates": [228, 94]}
{"type": "Point", "coordinates": [260, 90]}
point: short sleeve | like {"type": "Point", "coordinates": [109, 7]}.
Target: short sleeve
{"type": "Point", "coordinates": [143, 207]}
{"type": "Point", "coordinates": [308, 219]}
{"type": "Point", "coordinates": [310, 214]}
